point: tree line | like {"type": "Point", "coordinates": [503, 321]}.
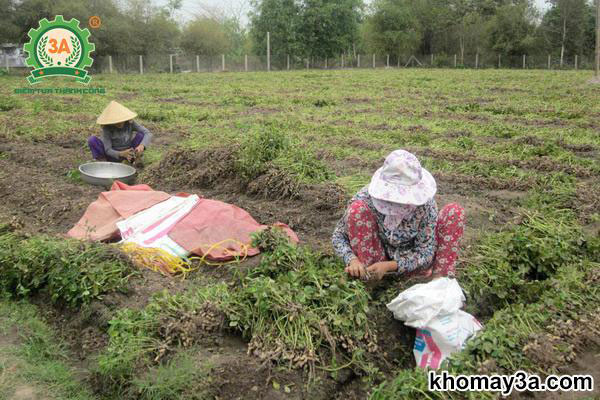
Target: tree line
{"type": "Point", "coordinates": [129, 27]}
{"type": "Point", "coordinates": [324, 28]}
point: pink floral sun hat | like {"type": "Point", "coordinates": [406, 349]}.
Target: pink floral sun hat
{"type": "Point", "coordinates": [402, 180]}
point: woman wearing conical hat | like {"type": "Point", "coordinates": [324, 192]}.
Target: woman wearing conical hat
{"type": "Point", "coordinates": [393, 226]}
{"type": "Point", "coordinates": [122, 137]}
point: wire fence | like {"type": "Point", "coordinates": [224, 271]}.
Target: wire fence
{"type": "Point", "coordinates": [182, 63]}
{"type": "Point", "coordinates": [185, 63]}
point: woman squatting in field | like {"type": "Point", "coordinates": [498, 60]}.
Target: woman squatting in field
{"type": "Point", "coordinates": [122, 137]}
{"type": "Point", "coordinates": [392, 225]}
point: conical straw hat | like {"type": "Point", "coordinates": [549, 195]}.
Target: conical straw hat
{"type": "Point", "coordinates": [115, 113]}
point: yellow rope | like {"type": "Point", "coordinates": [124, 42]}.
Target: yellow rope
{"type": "Point", "coordinates": [219, 245]}
{"type": "Point", "coordinates": [159, 260]}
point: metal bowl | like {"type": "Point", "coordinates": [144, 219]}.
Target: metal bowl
{"type": "Point", "coordinates": [104, 173]}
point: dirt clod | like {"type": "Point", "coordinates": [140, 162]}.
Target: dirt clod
{"type": "Point", "coordinates": [275, 184]}
{"type": "Point", "coordinates": [202, 169]}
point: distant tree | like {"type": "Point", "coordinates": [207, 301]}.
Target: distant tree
{"type": "Point", "coordinates": [460, 25]}
{"type": "Point", "coordinates": [205, 36]}
{"type": "Point", "coordinates": [511, 30]}
{"type": "Point", "coordinates": [162, 34]}
{"type": "Point", "coordinates": [328, 27]}
{"type": "Point", "coordinates": [563, 26]}
{"type": "Point", "coordinates": [320, 28]}
{"type": "Point", "coordinates": [28, 13]}
{"type": "Point", "coordinates": [393, 28]}
{"type": "Point", "coordinates": [466, 24]}
{"type": "Point", "coordinates": [589, 39]}
{"type": "Point", "coordinates": [172, 6]}
{"type": "Point", "coordinates": [9, 31]}
{"type": "Point", "coordinates": [114, 37]}
{"type": "Point", "coordinates": [317, 28]}
{"type": "Point", "coordinates": [282, 19]}
{"type": "Point", "coordinates": [236, 35]}
{"type": "Point", "coordinates": [435, 22]}
{"type": "Point", "coordinates": [107, 38]}
{"type": "Point", "coordinates": [128, 27]}
{"type": "Point", "coordinates": [150, 28]}
{"type": "Point", "coordinates": [489, 8]}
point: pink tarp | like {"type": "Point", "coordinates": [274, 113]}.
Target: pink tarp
{"type": "Point", "coordinates": [209, 223]}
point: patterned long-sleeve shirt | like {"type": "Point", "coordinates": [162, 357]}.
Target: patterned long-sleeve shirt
{"type": "Point", "coordinates": [412, 244]}
{"type": "Point", "coordinates": [117, 139]}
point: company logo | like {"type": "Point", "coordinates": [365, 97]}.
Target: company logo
{"type": "Point", "coordinates": [59, 48]}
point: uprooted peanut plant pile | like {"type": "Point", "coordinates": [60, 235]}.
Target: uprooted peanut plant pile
{"type": "Point", "coordinates": [519, 151]}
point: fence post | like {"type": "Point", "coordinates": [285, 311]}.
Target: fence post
{"type": "Point", "coordinates": [171, 63]}
{"type": "Point", "coordinates": [373, 60]}
{"type": "Point", "coordinates": [476, 60]}
{"type": "Point", "coordinates": [307, 66]}
{"type": "Point", "coordinates": [524, 61]}
{"type": "Point", "coordinates": [455, 61]}
{"type": "Point", "coordinates": [358, 61]}
{"type": "Point", "coordinates": [110, 64]}
{"type": "Point", "coordinates": [246, 62]}
{"type": "Point", "coordinates": [549, 61]}
{"type": "Point", "coordinates": [576, 66]}
{"type": "Point", "coordinates": [222, 62]}
{"type": "Point", "coordinates": [597, 72]}
{"type": "Point", "coordinates": [431, 60]}
{"type": "Point", "coordinates": [499, 61]}
{"type": "Point", "coordinates": [197, 63]}
{"type": "Point", "coordinates": [326, 62]}
{"type": "Point", "coordinates": [268, 51]}
{"type": "Point", "coordinates": [387, 61]}
{"type": "Point", "coordinates": [141, 65]}
{"type": "Point", "coordinates": [342, 60]}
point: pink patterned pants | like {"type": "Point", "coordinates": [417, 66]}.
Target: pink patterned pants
{"type": "Point", "coordinates": [366, 245]}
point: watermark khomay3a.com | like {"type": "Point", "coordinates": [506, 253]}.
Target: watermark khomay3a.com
{"type": "Point", "coordinates": [520, 381]}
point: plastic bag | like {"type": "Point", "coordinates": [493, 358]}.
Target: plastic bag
{"type": "Point", "coordinates": [444, 335]}
{"type": "Point", "coordinates": [442, 327]}
{"type": "Point", "coordinates": [150, 228]}
{"type": "Point", "coordinates": [420, 303]}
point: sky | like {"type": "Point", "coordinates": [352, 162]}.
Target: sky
{"type": "Point", "coordinates": [191, 8]}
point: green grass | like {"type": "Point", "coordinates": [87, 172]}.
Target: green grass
{"type": "Point", "coordinates": [294, 308]}
{"type": "Point", "coordinates": [151, 156]}
{"type": "Point", "coordinates": [269, 148]}
{"type": "Point", "coordinates": [394, 100]}
{"type": "Point", "coordinates": [514, 265]}
{"type": "Point", "coordinates": [351, 115]}
{"type": "Point", "coordinates": [71, 272]}
{"type": "Point", "coordinates": [181, 378]}
{"type": "Point", "coordinates": [299, 308]}
{"type": "Point", "coordinates": [532, 134]}
{"type": "Point", "coordinates": [132, 363]}
{"type": "Point", "coordinates": [33, 359]}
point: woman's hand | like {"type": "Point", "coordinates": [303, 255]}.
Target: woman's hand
{"type": "Point", "coordinates": [356, 269]}
{"type": "Point", "coordinates": [126, 154]}
{"type": "Point", "coordinates": [140, 149]}
{"type": "Point", "coordinates": [378, 270]}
